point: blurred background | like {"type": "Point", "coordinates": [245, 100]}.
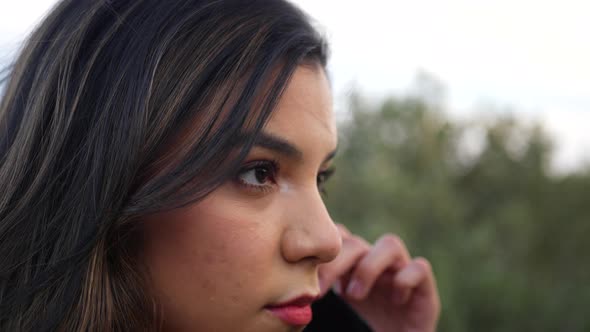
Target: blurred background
{"type": "Point", "coordinates": [463, 128]}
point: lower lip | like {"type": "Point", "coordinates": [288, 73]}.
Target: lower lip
{"type": "Point", "coordinates": [293, 315]}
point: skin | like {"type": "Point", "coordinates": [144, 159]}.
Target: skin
{"type": "Point", "coordinates": [266, 237]}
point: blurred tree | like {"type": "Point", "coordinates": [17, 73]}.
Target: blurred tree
{"type": "Point", "coordinates": [507, 238]}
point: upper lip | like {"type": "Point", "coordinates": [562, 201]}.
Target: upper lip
{"type": "Point", "coordinates": [300, 301]}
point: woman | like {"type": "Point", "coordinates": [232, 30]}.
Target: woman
{"type": "Point", "coordinates": [161, 165]}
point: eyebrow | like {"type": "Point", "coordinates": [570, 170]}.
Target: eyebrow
{"type": "Point", "coordinates": [284, 147]}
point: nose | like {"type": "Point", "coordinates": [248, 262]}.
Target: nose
{"type": "Point", "coordinates": [310, 234]}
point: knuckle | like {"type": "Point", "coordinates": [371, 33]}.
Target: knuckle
{"type": "Point", "coordinates": [365, 272]}
{"type": "Point", "coordinates": [344, 232]}
{"type": "Point", "coordinates": [356, 246]}
{"type": "Point", "coordinates": [362, 243]}
{"type": "Point", "coordinates": [365, 269]}
{"type": "Point", "coordinates": [392, 241]}
{"type": "Point", "coordinates": [424, 264]}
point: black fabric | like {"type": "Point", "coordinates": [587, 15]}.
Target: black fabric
{"type": "Point", "coordinates": [331, 313]}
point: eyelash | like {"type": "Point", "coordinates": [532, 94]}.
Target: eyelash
{"type": "Point", "coordinates": [272, 168]}
{"type": "Point", "coordinates": [323, 177]}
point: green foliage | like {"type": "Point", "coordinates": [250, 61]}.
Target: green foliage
{"type": "Point", "coordinates": [507, 238]}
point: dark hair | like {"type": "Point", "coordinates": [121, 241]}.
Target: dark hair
{"type": "Point", "coordinates": [116, 109]}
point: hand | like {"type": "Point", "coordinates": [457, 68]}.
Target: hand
{"type": "Point", "coordinates": [389, 289]}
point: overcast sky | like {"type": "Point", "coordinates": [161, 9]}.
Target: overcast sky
{"type": "Point", "coordinates": [531, 55]}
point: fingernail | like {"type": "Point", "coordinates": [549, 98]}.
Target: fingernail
{"type": "Point", "coordinates": [355, 289]}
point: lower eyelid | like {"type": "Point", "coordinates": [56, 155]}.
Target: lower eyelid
{"type": "Point", "coordinates": [254, 188]}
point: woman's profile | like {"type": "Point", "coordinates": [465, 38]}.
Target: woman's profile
{"type": "Point", "coordinates": [162, 164]}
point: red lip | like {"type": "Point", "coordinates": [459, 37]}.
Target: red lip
{"type": "Point", "coordinates": [294, 312]}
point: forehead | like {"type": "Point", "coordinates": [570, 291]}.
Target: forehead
{"type": "Point", "coordinates": [304, 113]}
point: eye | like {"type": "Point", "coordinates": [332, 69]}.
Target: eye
{"type": "Point", "coordinates": [259, 175]}
{"type": "Point", "coordinates": [323, 176]}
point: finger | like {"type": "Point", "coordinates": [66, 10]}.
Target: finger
{"type": "Point", "coordinates": [417, 276]}
{"type": "Point", "coordinates": [344, 232]}
{"type": "Point", "coordinates": [353, 249]}
{"type": "Point", "coordinates": [388, 253]}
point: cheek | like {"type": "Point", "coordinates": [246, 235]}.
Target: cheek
{"type": "Point", "coordinates": [216, 252]}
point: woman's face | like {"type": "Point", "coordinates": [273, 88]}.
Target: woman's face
{"type": "Point", "coordinates": [226, 262]}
